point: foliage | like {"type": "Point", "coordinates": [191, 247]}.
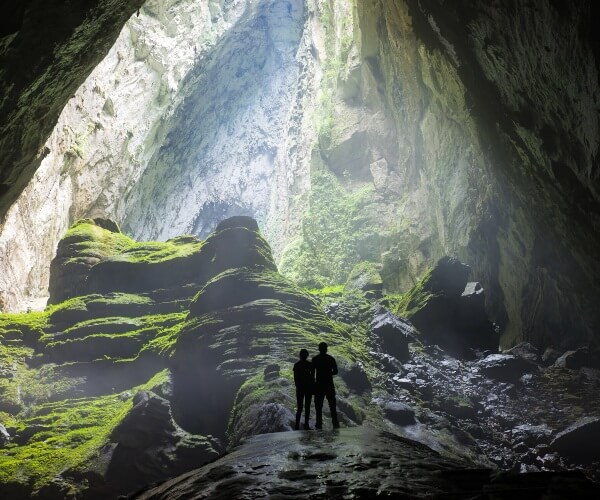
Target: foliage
{"type": "Point", "coordinates": [336, 234]}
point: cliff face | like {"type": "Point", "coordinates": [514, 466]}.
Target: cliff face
{"type": "Point", "coordinates": [389, 132]}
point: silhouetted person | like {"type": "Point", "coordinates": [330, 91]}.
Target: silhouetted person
{"type": "Point", "coordinates": [325, 368]}
{"type": "Point", "coordinates": [304, 380]}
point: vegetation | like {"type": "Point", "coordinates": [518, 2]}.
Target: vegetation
{"type": "Point", "coordinates": [336, 234]}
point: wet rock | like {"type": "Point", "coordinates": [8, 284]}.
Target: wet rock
{"type": "Point", "coordinates": [356, 378]}
{"type": "Point", "coordinates": [450, 312]}
{"type": "Point", "coordinates": [579, 358]}
{"type": "Point", "coordinates": [357, 463]}
{"type": "Point", "coordinates": [271, 372]}
{"type": "Point", "coordinates": [579, 441]}
{"type": "Point", "coordinates": [389, 364]}
{"type": "Point", "coordinates": [393, 332]}
{"type": "Point", "coordinates": [525, 350]}
{"type": "Point", "coordinates": [505, 367]}
{"type": "Point", "coordinates": [4, 436]}
{"type": "Point", "coordinates": [550, 356]}
{"type": "Point", "coordinates": [532, 435]}
{"type": "Point", "coordinates": [399, 413]}
{"type": "Point", "coordinates": [151, 446]}
{"type": "Point", "coordinates": [262, 419]}
{"type": "Point", "coordinates": [405, 383]}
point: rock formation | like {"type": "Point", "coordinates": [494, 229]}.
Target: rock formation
{"type": "Point", "coordinates": [160, 355]}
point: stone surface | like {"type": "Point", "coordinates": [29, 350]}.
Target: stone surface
{"type": "Point", "coordinates": [393, 332]}
{"type": "Point", "coordinates": [355, 462]}
{"type": "Point", "coordinates": [525, 350]}
{"type": "Point", "coordinates": [399, 413]}
{"type": "Point", "coordinates": [449, 311]}
{"type": "Point", "coordinates": [579, 358]}
{"type": "Point", "coordinates": [505, 367]}
{"type": "Point", "coordinates": [375, 153]}
{"type": "Point", "coordinates": [579, 441]}
{"type": "Point", "coordinates": [152, 447]}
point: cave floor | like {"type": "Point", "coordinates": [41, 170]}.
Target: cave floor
{"type": "Point", "coordinates": [357, 462]}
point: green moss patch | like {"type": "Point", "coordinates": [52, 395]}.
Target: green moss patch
{"type": "Point", "coordinates": [64, 435]}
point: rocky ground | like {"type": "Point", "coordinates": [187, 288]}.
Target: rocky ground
{"type": "Point", "coordinates": [156, 358]}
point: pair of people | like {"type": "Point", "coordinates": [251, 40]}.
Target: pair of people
{"type": "Point", "coordinates": [315, 377]}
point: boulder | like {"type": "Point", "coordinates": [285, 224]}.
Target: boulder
{"type": "Point", "coordinates": [356, 378]}
{"type": "Point", "coordinates": [525, 350]}
{"type": "Point", "coordinates": [505, 367]}
{"type": "Point", "coordinates": [531, 435]}
{"type": "Point", "coordinates": [579, 441]}
{"type": "Point", "coordinates": [151, 446]}
{"type": "Point", "coordinates": [579, 358]}
{"type": "Point", "coordinates": [365, 277]}
{"type": "Point", "coordinates": [399, 413]}
{"type": "Point", "coordinates": [449, 311]}
{"type": "Point", "coordinates": [271, 372]}
{"type": "Point", "coordinates": [550, 356]}
{"type": "Point", "coordinates": [448, 277]}
{"type": "Point", "coordinates": [394, 333]}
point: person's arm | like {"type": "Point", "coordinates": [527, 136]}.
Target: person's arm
{"type": "Point", "coordinates": [295, 375]}
{"type": "Point", "coordinates": [334, 370]}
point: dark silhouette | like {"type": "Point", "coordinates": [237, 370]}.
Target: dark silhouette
{"type": "Point", "coordinates": [325, 368]}
{"type": "Point", "coordinates": [304, 380]}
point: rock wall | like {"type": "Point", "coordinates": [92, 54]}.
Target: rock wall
{"type": "Point", "coordinates": [105, 136]}
{"type": "Point", "coordinates": [486, 148]}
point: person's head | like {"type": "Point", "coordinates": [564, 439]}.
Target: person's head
{"type": "Point", "coordinates": [323, 347]}
{"type": "Point", "coordinates": [303, 354]}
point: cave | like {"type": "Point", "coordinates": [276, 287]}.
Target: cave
{"type": "Point", "coordinates": [191, 191]}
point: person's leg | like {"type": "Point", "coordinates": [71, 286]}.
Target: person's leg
{"type": "Point", "coordinates": [332, 408]}
{"type": "Point", "coordinates": [299, 403]}
{"type": "Point", "coordinates": [307, 399]}
{"type": "Point", "coordinates": [319, 397]}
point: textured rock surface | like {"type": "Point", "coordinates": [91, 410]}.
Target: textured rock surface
{"type": "Point", "coordinates": [357, 463]}
{"type": "Point", "coordinates": [40, 70]}
{"type": "Point", "coordinates": [220, 354]}
{"type": "Point", "coordinates": [106, 134]}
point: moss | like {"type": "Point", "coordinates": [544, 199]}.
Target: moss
{"type": "Point", "coordinates": [336, 234]}
{"type": "Point", "coordinates": [74, 431]}
{"type": "Point", "coordinates": [414, 300]}
{"type": "Point", "coordinates": [327, 291]}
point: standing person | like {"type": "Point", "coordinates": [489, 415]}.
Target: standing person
{"type": "Point", "coordinates": [325, 368]}
{"type": "Point", "coordinates": [304, 379]}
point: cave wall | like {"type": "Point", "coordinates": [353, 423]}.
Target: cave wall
{"type": "Point", "coordinates": [105, 135]}
{"type": "Point", "coordinates": [492, 112]}
{"type": "Point", "coordinates": [47, 49]}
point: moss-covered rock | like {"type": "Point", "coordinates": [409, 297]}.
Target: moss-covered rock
{"type": "Point", "coordinates": [366, 278]}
